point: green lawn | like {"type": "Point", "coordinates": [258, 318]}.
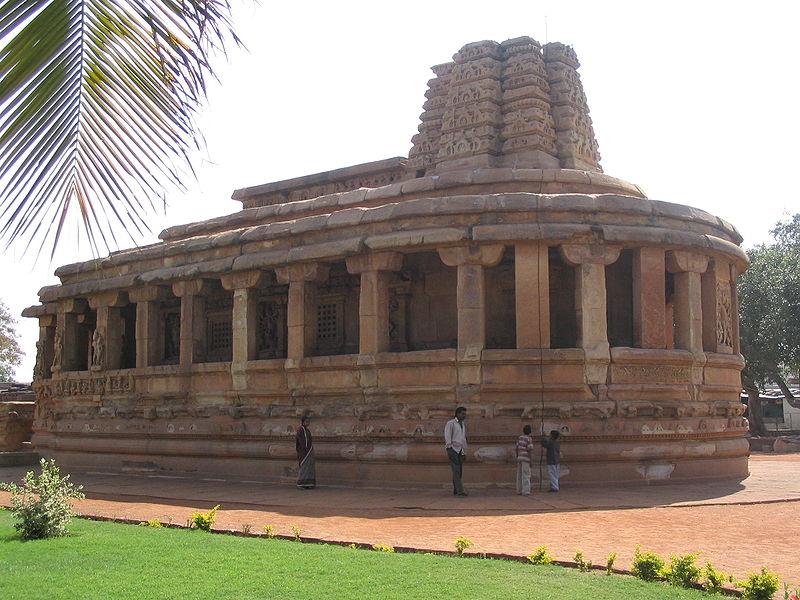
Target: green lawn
{"type": "Point", "coordinates": [113, 561]}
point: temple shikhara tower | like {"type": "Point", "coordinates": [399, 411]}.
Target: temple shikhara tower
{"type": "Point", "coordinates": [497, 267]}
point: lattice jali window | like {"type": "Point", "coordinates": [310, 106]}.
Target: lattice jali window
{"type": "Point", "coordinates": [219, 342]}
{"type": "Point", "coordinates": [330, 323]}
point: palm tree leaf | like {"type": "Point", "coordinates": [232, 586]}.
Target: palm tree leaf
{"type": "Point", "coordinates": [97, 107]}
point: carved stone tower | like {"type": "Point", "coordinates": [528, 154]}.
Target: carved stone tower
{"type": "Point", "coordinates": [513, 104]}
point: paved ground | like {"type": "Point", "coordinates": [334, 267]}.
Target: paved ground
{"type": "Point", "coordinates": [738, 526]}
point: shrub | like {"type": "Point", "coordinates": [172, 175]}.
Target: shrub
{"type": "Point", "coordinates": [352, 546]}
{"type": "Point", "coordinates": [647, 565]}
{"type": "Point", "coordinates": [383, 548]}
{"type": "Point", "coordinates": [583, 564]}
{"type": "Point", "coordinates": [610, 563]}
{"type": "Point", "coordinates": [541, 556]}
{"type": "Point", "coordinates": [759, 586]}
{"type": "Point", "coordinates": [462, 544]}
{"type": "Point", "coordinates": [42, 505]}
{"type": "Point", "coordinates": [296, 532]}
{"type": "Point", "coordinates": [713, 580]}
{"type": "Point", "coordinates": [246, 527]}
{"type": "Point", "coordinates": [270, 531]}
{"type": "Point", "coordinates": [204, 521]}
{"type": "Point", "coordinates": [682, 571]}
{"type": "Point", "coordinates": [154, 523]}
{"type": "Point", "coordinates": [787, 595]}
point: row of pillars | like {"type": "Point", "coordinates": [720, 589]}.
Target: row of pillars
{"type": "Point", "coordinates": [693, 321]}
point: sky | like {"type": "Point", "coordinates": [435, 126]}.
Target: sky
{"type": "Point", "coordinates": [696, 102]}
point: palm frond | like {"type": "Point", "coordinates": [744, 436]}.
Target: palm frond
{"type": "Point", "coordinates": [97, 106]}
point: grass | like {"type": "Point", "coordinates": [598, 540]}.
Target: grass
{"type": "Point", "coordinates": [109, 560]}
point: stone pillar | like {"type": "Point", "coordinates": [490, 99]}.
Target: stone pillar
{"type": "Point", "coordinates": [107, 336]}
{"type": "Point", "coordinates": [532, 294]}
{"type": "Point", "coordinates": [737, 345]}
{"type": "Point", "coordinates": [649, 298]}
{"type": "Point", "coordinates": [717, 308]}
{"type": "Point", "coordinates": [66, 349]}
{"type": "Point", "coordinates": [471, 294]}
{"type": "Point", "coordinates": [590, 261]}
{"type": "Point", "coordinates": [688, 308]}
{"type": "Point", "coordinates": [373, 298]}
{"type": "Point", "coordinates": [244, 285]}
{"type": "Point", "coordinates": [193, 320]}
{"type": "Point", "coordinates": [147, 300]}
{"type": "Point", "coordinates": [301, 311]}
{"type": "Point", "coordinates": [45, 347]}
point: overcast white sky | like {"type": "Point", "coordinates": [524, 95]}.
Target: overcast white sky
{"type": "Point", "coordinates": [697, 102]}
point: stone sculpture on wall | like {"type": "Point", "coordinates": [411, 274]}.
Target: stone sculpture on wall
{"type": "Point", "coordinates": [58, 349]}
{"type": "Point", "coordinates": [724, 315]}
{"type": "Point", "coordinates": [98, 349]}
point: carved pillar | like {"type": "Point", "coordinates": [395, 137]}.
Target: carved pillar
{"type": "Point", "coordinates": [717, 308]}
{"type": "Point", "coordinates": [688, 308]}
{"type": "Point", "coordinates": [67, 347]}
{"type": "Point", "coordinates": [148, 352]}
{"type": "Point", "coordinates": [301, 311]}
{"type": "Point", "coordinates": [590, 261]}
{"type": "Point", "coordinates": [107, 335]}
{"type": "Point", "coordinates": [373, 298]}
{"type": "Point", "coordinates": [532, 294]}
{"type": "Point", "coordinates": [649, 298]}
{"type": "Point", "coordinates": [193, 319]}
{"type": "Point", "coordinates": [737, 346]}
{"type": "Point", "coordinates": [244, 285]}
{"type": "Point", "coordinates": [470, 293]}
{"type": "Point", "coordinates": [45, 347]}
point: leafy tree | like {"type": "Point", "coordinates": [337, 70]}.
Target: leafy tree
{"type": "Point", "coordinates": [10, 352]}
{"type": "Point", "coordinates": [769, 313]}
{"type": "Point", "coordinates": [97, 106]}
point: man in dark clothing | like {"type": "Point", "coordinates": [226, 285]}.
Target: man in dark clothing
{"type": "Point", "coordinates": [553, 447]}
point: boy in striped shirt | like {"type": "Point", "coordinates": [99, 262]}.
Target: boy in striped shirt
{"type": "Point", "coordinates": [524, 455]}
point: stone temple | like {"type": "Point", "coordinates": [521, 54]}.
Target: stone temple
{"type": "Point", "coordinates": [497, 267]}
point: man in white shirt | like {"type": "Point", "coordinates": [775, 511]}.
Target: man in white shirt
{"type": "Point", "coordinates": [455, 442]}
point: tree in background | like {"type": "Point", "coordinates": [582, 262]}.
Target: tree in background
{"type": "Point", "coordinates": [97, 106]}
{"type": "Point", "coordinates": [10, 352]}
{"type": "Point", "coordinates": [769, 315]}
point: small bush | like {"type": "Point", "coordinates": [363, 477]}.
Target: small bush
{"type": "Point", "coordinates": [610, 563]}
{"type": "Point", "coordinates": [154, 523]}
{"type": "Point", "coordinates": [682, 570]}
{"type": "Point", "coordinates": [647, 565]}
{"type": "Point", "coordinates": [713, 580]}
{"type": "Point", "coordinates": [246, 527]}
{"type": "Point", "coordinates": [42, 505]}
{"type": "Point", "coordinates": [541, 556]}
{"type": "Point", "coordinates": [583, 565]}
{"type": "Point", "coordinates": [462, 544]}
{"type": "Point", "coordinates": [788, 595]}
{"type": "Point", "coordinates": [759, 586]}
{"type": "Point", "coordinates": [204, 521]}
{"type": "Point", "coordinates": [352, 546]}
{"type": "Point", "coordinates": [297, 532]}
{"type": "Point", "coordinates": [270, 531]}
{"type": "Point", "coordinates": [383, 548]}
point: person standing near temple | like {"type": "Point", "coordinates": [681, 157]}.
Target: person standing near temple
{"type": "Point", "coordinates": [455, 442]}
{"type": "Point", "coordinates": [524, 453]}
{"type": "Point", "coordinates": [306, 473]}
{"type": "Point", "coordinates": [553, 447]}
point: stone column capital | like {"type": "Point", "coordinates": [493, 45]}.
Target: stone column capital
{"type": "Point", "coordinates": [110, 299]}
{"type": "Point", "coordinates": [193, 287]}
{"type": "Point", "coordinates": [72, 305]}
{"type": "Point", "coordinates": [311, 272]}
{"type": "Point", "coordinates": [47, 321]}
{"type": "Point", "coordinates": [374, 261]}
{"type": "Point", "coordinates": [485, 255]}
{"type": "Point", "coordinates": [681, 261]}
{"type": "Point", "coordinates": [150, 293]}
{"type": "Point", "coordinates": [597, 254]}
{"type": "Point", "coordinates": [242, 280]}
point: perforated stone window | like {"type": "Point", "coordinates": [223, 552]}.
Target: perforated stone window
{"type": "Point", "coordinates": [330, 323]}
{"type": "Point", "coordinates": [220, 339]}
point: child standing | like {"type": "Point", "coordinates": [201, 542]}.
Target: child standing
{"type": "Point", "coordinates": [524, 454]}
{"type": "Point", "coordinates": [553, 447]}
